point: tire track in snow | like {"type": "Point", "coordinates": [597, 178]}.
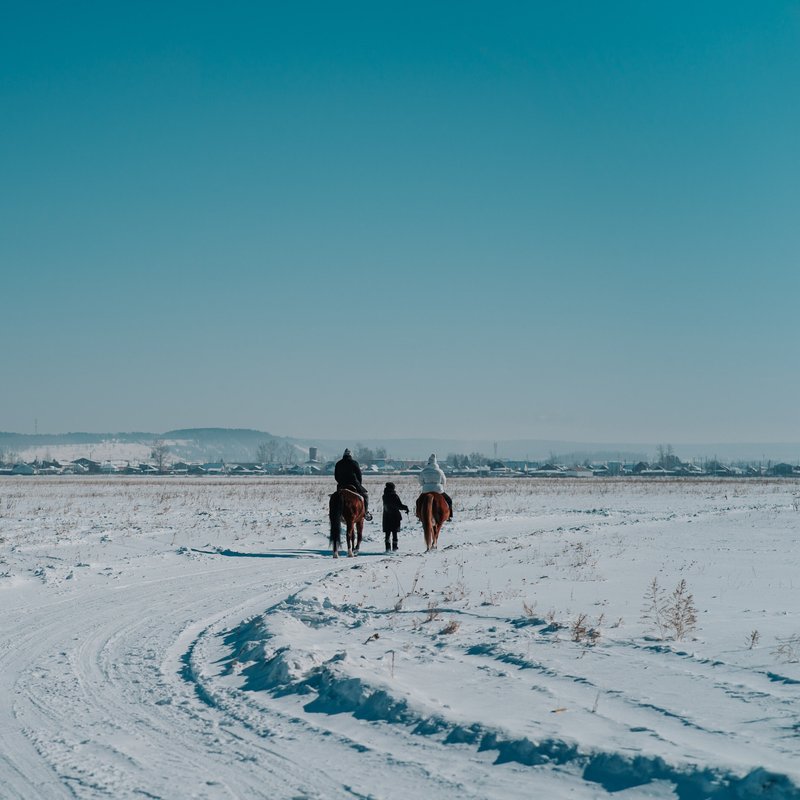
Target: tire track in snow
{"type": "Point", "coordinates": [655, 716]}
{"type": "Point", "coordinates": [95, 720]}
{"type": "Point", "coordinates": [102, 710]}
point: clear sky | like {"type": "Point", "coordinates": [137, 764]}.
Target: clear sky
{"type": "Point", "coordinates": [571, 220]}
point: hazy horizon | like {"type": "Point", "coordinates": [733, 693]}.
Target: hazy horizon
{"type": "Point", "coordinates": [517, 221]}
{"type": "Point", "coordinates": [300, 436]}
{"type": "Point", "coordinates": [242, 444]}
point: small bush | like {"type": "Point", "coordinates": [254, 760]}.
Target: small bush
{"type": "Point", "coordinates": [529, 610]}
{"type": "Point", "coordinates": [681, 613]}
{"type": "Point", "coordinates": [579, 629]}
{"type": "Point", "coordinates": [451, 627]}
{"type": "Point", "coordinates": [788, 649]}
{"type": "Point", "coordinates": [674, 616]}
{"type": "Point", "coordinates": [654, 608]}
{"type": "Point", "coordinates": [583, 633]}
{"type": "Point", "coordinates": [433, 612]}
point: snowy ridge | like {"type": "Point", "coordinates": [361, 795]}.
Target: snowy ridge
{"type": "Point", "coordinates": [262, 653]}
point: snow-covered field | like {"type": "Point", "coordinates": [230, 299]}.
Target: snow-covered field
{"type": "Point", "coordinates": [179, 638]}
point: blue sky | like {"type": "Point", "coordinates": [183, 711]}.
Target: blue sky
{"type": "Point", "coordinates": [538, 220]}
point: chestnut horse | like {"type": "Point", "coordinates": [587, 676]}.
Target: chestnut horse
{"type": "Point", "coordinates": [347, 505]}
{"type": "Point", "coordinates": [432, 511]}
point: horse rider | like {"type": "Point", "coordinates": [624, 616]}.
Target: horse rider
{"type": "Point", "coordinates": [433, 480]}
{"type": "Point", "coordinates": [348, 476]}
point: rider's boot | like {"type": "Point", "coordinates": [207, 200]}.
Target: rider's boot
{"type": "Point", "coordinates": [367, 515]}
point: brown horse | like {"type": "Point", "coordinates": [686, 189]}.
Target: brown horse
{"type": "Point", "coordinates": [347, 505]}
{"type": "Point", "coordinates": [432, 511]}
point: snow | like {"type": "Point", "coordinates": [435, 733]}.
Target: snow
{"type": "Point", "coordinates": [193, 638]}
{"type": "Point", "coordinates": [109, 450]}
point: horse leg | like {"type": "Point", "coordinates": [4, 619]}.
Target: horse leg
{"type": "Point", "coordinates": [360, 532]}
{"type": "Point", "coordinates": [439, 519]}
{"type": "Point", "coordinates": [335, 507]}
{"type": "Point", "coordinates": [350, 539]}
{"type": "Point", "coordinates": [418, 512]}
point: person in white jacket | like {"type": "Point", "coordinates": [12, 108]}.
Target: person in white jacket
{"type": "Point", "coordinates": [434, 480]}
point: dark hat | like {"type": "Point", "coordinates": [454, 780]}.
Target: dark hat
{"type": "Point", "coordinates": [389, 485]}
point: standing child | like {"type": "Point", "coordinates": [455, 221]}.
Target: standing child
{"type": "Point", "coordinates": [392, 506]}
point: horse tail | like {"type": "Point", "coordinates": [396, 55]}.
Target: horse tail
{"type": "Point", "coordinates": [336, 508]}
{"type": "Point", "coordinates": [432, 511]}
{"type": "Point", "coordinates": [427, 515]}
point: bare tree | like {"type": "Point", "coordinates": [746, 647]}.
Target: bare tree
{"type": "Point", "coordinates": [363, 454]}
{"type": "Point", "coordinates": [461, 460]}
{"type": "Point", "coordinates": [267, 452]}
{"type": "Point", "coordinates": [366, 455]}
{"type": "Point", "coordinates": [159, 451]}
{"type": "Point", "coordinates": [288, 453]}
{"type": "Point", "coordinates": [667, 457]}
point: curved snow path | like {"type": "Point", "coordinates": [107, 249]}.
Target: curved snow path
{"type": "Point", "coordinates": [101, 705]}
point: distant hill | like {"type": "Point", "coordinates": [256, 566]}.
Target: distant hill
{"type": "Point", "coordinates": [189, 444]}
{"type": "Point", "coordinates": [216, 444]}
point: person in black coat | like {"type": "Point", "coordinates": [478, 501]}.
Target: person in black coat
{"type": "Point", "coordinates": [392, 518]}
{"type": "Point", "coordinates": [348, 475]}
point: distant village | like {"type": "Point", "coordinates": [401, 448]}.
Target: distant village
{"type": "Point", "coordinates": [378, 463]}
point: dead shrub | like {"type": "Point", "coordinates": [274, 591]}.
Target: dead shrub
{"type": "Point", "coordinates": [451, 627]}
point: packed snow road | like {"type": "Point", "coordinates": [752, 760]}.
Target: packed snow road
{"type": "Point", "coordinates": [98, 696]}
{"type": "Point", "coordinates": [179, 638]}
{"type": "Point", "coordinates": [101, 705]}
